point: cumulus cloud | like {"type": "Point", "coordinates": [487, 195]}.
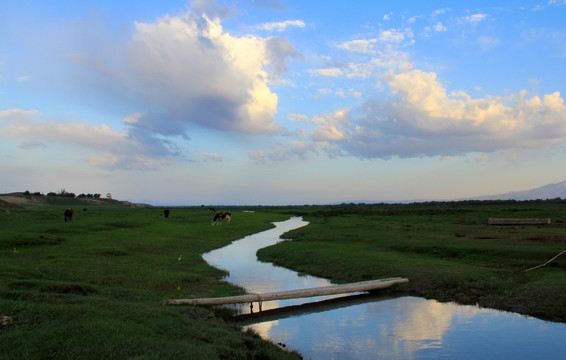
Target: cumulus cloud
{"type": "Point", "coordinates": [109, 149]}
{"type": "Point", "coordinates": [196, 73]}
{"type": "Point", "coordinates": [424, 120]}
{"type": "Point", "coordinates": [186, 69]}
{"type": "Point", "coordinates": [421, 118]}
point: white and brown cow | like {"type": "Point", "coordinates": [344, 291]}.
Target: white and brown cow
{"type": "Point", "coordinates": [218, 217]}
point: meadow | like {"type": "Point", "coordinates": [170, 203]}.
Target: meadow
{"type": "Point", "coordinates": [448, 251]}
{"type": "Point", "coordinates": [91, 288]}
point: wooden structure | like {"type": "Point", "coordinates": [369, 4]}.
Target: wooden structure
{"type": "Point", "coordinates": [292, 294]}
{"type": "Point", "coordinates": [511, 221]}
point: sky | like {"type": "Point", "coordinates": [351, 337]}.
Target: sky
{"type": "Point", "coordinates": [282, 102]}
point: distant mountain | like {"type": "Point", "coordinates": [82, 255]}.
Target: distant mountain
{"type": "Point", "coordinates": [550, 191]}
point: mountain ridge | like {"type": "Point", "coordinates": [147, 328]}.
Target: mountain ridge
{"type": "Point", "coordinates": [549, 191]}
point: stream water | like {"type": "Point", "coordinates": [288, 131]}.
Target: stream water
{"type": "Point", "coordinates": [367, 326]}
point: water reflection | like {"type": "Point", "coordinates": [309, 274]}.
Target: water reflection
{"type": "Point", "coordinates": [376, 327]}
{"type": "Point", "coordinates": [240, 260]}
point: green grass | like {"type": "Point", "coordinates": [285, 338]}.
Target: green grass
{"type": "Point", "coordinates": [92, 288]}
{"type": "Point", "coordinates": [448, 252]}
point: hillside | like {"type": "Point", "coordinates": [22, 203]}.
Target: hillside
{"type": "Point", "coordinates": [18, 199]}
{"type": "Point", "coordinates": [550, 191]}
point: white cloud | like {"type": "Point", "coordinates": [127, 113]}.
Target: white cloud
{"type": "Point", "coordinates": [186, 69]}
{"type": "Point", "coordinates": [197, 73]}
{"type": "Point", "coordinates": [421, 118]}
{"type": "Point", "coordinates": [393, 36]}
{"type": "Point", "coordinates": [331, 127]}
{"type": "Point", "coordinates": [366, 46]}
{"type": "Point", "coordinates": [205, 156]}
{"type": "Point", "coordinates": [329, 72]}
{"type": "Point", "coordinates": [297, 117]}
{"type": "Point", "coordinates": [23, 78]}
{"type": "Point", "coordinates": [361, 46]}
{"type": "Point", "coordinates": [474, 19]}
{"type": "Point", "coordinates": [438, 27]}
{"type": "Point", "coordinates": [282, 25]}
{"type": "Point", "coordinates": [110, 149]}
{"type": "Point", "coordinates": [440, 12]}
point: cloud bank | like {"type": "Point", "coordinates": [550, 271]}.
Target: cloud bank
{"type": "Point", "coordinates": [186, 71]}
{"type": "Point", "coordinates": [132, 149]}
{"type": "Point", "coordinates": [421, 119]}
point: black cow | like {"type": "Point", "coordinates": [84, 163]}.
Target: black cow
{"type": "Point", "coordinates": [221, 216]}
{"type": "Point", "coordinates": [68, 214]}
{"type": "Point", "coordinates": [166, 213]}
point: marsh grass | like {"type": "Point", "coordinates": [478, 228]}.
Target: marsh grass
{"type": "Point", "coordinates": [447, 250]}
{"type": "Point", "coordinates": [91, 288]}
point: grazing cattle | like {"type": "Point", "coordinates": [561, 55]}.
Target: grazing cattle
{"type": "Point", "coordinates": [166, 213]}
{"type": "Point", "coordinates": [68, 214]}
{"type": "Point", "coordinates": [221, 216]}
{"type": "Point", "coordinates": [212, 209]}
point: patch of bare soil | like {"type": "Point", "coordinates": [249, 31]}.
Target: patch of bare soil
{"type": "Point", "coordinates": [7, 200]}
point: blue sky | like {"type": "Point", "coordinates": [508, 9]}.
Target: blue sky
{"type": "Point", "coordinates": [282, 102]}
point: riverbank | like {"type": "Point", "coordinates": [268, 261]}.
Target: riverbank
{"type": "Point", "coordinates": [447, 250]}
{"type": "Point", "coordinates": [91, 288]}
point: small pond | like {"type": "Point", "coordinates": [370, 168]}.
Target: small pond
{"type": "Point", "coordinates": [370, 326]}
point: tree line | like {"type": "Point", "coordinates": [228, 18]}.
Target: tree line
{"type": "Point", "coordinates": [64, 193]}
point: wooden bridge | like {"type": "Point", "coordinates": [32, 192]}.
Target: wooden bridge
{"type": "Point", "coordinates": [292, 294]}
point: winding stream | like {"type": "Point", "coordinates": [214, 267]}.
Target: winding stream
{"type": "Point", "coordinates": [364, 326]}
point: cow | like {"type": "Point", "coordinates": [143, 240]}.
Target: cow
{"type": "Point", "coordinates": [68, 214]}
{"type": "Point", "coordinates": [166, 213]}
{"type": "Point", "coordinates": [218, 217]}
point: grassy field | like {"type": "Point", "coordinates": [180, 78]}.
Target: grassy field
{"type": "Point", "coordinates": [447, 250]}
{"type": "Point", "coordinates": [91, 288]}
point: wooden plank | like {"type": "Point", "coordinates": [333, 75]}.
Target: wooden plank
{"type": "Point", "coordinates": [292, 294]}
{"type": "Point", "coordinates": [512, 221]}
